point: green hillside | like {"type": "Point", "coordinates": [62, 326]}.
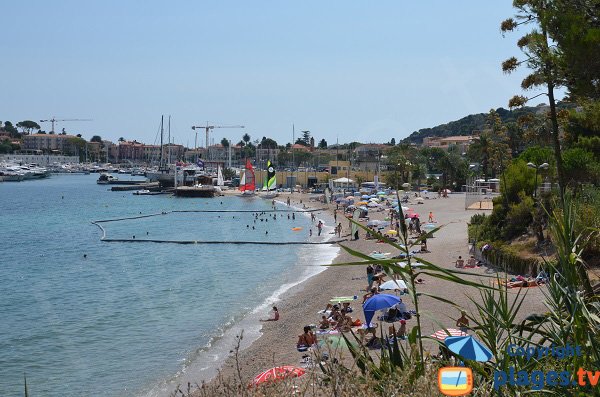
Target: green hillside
{"type": "Point", "coordinates": [473, 122]}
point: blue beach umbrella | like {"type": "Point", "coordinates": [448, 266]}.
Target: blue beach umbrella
{"type": "Point", "coordinates": [365, 196]}
{"type": "Point", "coordinates": [382, 193]}
{"type": "Point", "coordinates": [468, 347]}
{"type": "Point", "coordinates": [378, 302]}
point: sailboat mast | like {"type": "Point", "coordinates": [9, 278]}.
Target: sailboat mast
{"type": "Point", "coordinates": [293, 161]}
{"type": "Point", "coordinates": [160, 161]}
{"type": "Point", "coordinates": [169, 139]}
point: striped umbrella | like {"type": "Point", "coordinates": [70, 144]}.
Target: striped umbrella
{"type": "Point", "coordinates": [278, 373]}
{"type": "Point", "coordinates": [442, 334]}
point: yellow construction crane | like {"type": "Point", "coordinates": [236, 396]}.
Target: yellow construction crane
{"type": "Point", "coordinates": [207, 128]}
{"type": "Point", "coordinates": [54, 120]}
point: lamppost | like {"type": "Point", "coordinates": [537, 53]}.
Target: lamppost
{"type": "Point", "coordinates": [543, 166]}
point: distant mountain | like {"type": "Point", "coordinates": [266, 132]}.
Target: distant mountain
{"type": "Point", "coordinates": [475, 122]}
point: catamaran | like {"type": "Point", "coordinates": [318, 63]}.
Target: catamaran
{"type": "Point", "coordinates": [247, 183]}
{"type": "Point", "coordinates": [270, 183]}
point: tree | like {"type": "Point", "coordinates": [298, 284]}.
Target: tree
{"type": "Point", "coordinates": [96, 138]}
{"type": "Point", "coordinates": [575, 26]}
{"type": "Point", "coordinates": [268, 143]}
{"type": "Point", "coordinates": [121, 139]}
{"type": "Point", "coordinates": [300, 141]}
{"type": "Point", "coordinates": [246, 138]}
{"type": "Point", "coordinates": [225, 142]}
{"type": "Point", "coordinates": [306, 138]}
{"type": "Point", "coordinates": [323, 144]}
{"type": "Point", "coordinates": [393, 142]}
{"type": "Point", "coordinates": [9, 127]}
{"type": "Point", "coordinates": [27, 126]}
{"type": "Point", "coordinates": [543, 59]}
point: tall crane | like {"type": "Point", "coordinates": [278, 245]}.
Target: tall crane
{"type": "Point", "coordinates": [54, 120]}
{"type": "Point", "coordinates": [207, 128]}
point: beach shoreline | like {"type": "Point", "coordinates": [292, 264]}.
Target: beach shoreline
{"type": "Point", "coordinates": [299, 305]}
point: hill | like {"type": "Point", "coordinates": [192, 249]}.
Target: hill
{"type": "Point", "coordinates": [475, 122]}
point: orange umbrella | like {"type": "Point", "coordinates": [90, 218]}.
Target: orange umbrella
{"type": "Point", "coordinates": [278, 373]}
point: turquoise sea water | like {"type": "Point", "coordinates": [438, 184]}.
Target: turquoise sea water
{"type": "Point", "coordinates": [131, 318]}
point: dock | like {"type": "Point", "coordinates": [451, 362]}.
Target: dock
{"type": "Point", "coordinates": [139, 186]}
{"type": "Point", "coordinates": [195, 191]}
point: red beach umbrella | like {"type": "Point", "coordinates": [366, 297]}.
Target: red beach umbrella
{"type": "Point", "coordinates": [414, 215]}
{"type": "Point", "coordinates": [278, 373]}
{"type": "Point", "coordinates": [442, 334]}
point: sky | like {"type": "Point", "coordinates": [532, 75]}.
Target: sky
{"type": "Point", "coordinates": [344, 70]}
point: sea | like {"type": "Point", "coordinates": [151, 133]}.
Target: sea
{"type": "Point", "coordinates": [84, 317]}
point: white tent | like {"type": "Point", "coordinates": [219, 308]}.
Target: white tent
{"type": "Point", "coordinates": [343, 180]}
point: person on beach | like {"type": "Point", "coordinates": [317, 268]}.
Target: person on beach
{"type": "Point", "coordinates": [370, 274]}
{"type": "Point", "coordinates": [274, 315]}
{"type": "Point", "coordinates": [293, 216]}
{"type": "Point", "coordinates": [369, 294]}
{"type": "Point", "coordinates": [288, 201]}
{"type": "Point", "coordinates": [460, 262]}
{"type": "Point", "coordinates": [324, 323]}
{"type": "Point", "coordinates": [320, 227]}
{"type": "Point", "coordinates": [335, 215]}
{"type": "Point", "coordinates": [310, 232]}
{"type": "Point", "coordinates": [463, 322]}
{"type": "Point", "coordinates": [430, 216]}
{"type": "Point", "coordinates": [339, 229]}
{"type": "Point", "coordinates": [306, 340]}
{"type": "Point", "coordinates": [472, 262]}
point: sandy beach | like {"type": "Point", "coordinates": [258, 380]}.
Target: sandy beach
{"type": "Point", "coordinates": [300, 305]}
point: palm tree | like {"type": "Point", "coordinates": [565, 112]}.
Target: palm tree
{"type": "Point", "coordinates": [246, 138]}
{"type": "Point", "coordinates": [480, 150]}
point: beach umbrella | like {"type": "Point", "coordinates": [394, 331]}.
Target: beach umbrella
{"type": "Point", "coordinates": [378, 302]}
{"type": "Point", "coordinates": [406, 208]}
{"type": "Point", "coordinates": [374, 222]}
{"type": "Point", "coordinates": [406, 185]}
{"type": "Point", "coordinates": [374, 199]}
{"type": "Point", "coordinates": [278, 373]}
{"type": "Point", "coordinates": [393, 284]}
{"type": "Point", "coordinates": [365, 196]}
{"type": "Point", "coordinates": [420, 200]}
{"type": "Point", "coordinates": [373, 196]}
{"type": "Point", "coordinates": [469, 348]}
{"type": "Point", "coordinates": [442, 334]}
{"type": "Point", "coordinates": [414, 215]}
{"type": "Point", "coordinates": [447, 191]}
{"type": "Point", "coordinates": [350, 197]}
{"type": "Point", "coordinates": [363, 208]}
{"type": "Point", "coordinates": [391, 232]}
{"type": "Point", "coordinates": [372, 204]}
{"type": "Point", "coordinates": [382, 193]}
{"type": "Point", "coordinates": [362, 202]}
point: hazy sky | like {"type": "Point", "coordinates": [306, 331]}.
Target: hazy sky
{"type": "Point", "coordinates": [357, 70]}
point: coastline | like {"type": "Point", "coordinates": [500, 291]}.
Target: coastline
{"type": "Point", "coordinates": [299, 305]}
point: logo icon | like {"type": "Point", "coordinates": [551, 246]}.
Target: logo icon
{"type": "Point", "coordinates": [455, 381]}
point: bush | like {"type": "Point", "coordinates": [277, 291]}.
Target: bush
{"type": "Point", "coordinates": [519, 217]}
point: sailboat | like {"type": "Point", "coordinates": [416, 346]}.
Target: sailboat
{"type": "Point", "coordinates": [220, 181]}
{"type": "Point", "coordinates": [270, 182]}
{"type": "Point", "coordinates": [247, 183]}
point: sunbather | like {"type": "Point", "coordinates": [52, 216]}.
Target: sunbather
{"type": "Point", "coordinates": [324, 323]}
{"type": "Point", "coordinates": [472, 262]}
{"type": "Point", "coordinates": [369, 294]}
{"type": "Point", "coordinates": [306, 340]}
{"type": "Point", "coordinates": [460, 262]}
